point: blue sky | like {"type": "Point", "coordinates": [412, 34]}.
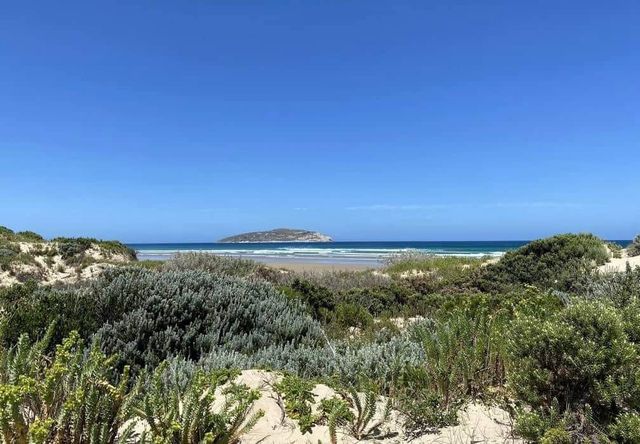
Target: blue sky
{"type": "Point", "coordinates": [369, 120]}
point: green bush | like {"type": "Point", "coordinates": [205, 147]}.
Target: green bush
{"type": "Point", "coordinates": [6, 232]}
{"type": "Point", "coordinates": [73, 396]}
{"type": "Point", "coordinates": [634, 248]}
{"type": "Point", "coordinates": [29, 236]}
{"type": "Point", "coordinates": [31, 309]}
{"type": "Point", "coordinates": [358, 413]}
{"type": "Point", "coordinates": [298, 397]}
{"type": "Point", "coordinates": [615, 249]}
{"type": "Point", "coordinates": [73, 250]}
{"type": "Point", "coordinates": [353, 315]}
{"type": "Point", "coordinates": [578, 359]}
{"type": "Point", "coordinates": [320, 301]}
{"type": "Point", "coordinates": [626, 429]}
{"type": "Point", "coordinates": [7, 256]}
{"type": "Point", "coordinates": [555, 262]}
{"type": "Point", "coordinates": [211, 263]}
{"type": "Point", "coordinates": [174, 410]}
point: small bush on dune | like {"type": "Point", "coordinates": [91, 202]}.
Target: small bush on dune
{"type": "Point", "coordinates": [634, 248]}
{"type": "Point", "coordinates": [449, 267]}
{"type": "Point", "coordinates": [619, 288]}
{"type": "Point", "coordinates": [615, 249]}
{"type": "Point", "coordinates": [211, 263]}
{"type": "Point", "coordinates": [555, 262]}
{"type": "Point", "coordinates": [75, 395]}
{"type": "Point", "coordinates": [185, 410]}
{"type": "Point", "coordinates": [579, 359]}
{"type": "Point", "coordinates": [31, 309]}
{"type": "Point", "coordinates": [29, 236]}
{"type": "Point", "coordinates": [336, 281]}
{"type": "Point", "coordinates": [70, 397]}
{"type": "Point", "coordinates": [73, 250]}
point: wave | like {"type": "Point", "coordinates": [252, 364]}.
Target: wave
{"type": "Point", "coordinates": [310, 253]}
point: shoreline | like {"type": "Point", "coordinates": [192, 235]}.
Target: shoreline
{"type": "Point", "coordinates": [301, 266]}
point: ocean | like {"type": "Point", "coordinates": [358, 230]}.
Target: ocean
{"type": "Point", "coordinates": [358, 253]}
{"type": "Point", "coordinates": [363, 253]}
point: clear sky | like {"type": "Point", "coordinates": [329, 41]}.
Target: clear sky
{"type": "Point", "coordinates": [368, 120]}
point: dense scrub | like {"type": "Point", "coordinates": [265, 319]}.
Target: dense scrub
{"type": "Point", "coordinates": [429, 333]}
{"type": "Point", "coordinates": [634, 248]}
{"type": "Point", "coordinates": [555, 262]}
{"type": "Point", "coordinates": [28, 256]}
{"type": "Point", "coordinates": [147, 316]}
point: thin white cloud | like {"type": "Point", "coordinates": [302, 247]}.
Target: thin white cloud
{"type": "Point", "coordinates": [537, 204]}
{"type": "Point", "coordinates": [418, 207]}
{"type": "Point", "coordinates": [386, 207]}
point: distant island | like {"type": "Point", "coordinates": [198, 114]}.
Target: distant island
{"type": "Point", "coordinates": [278, 235]}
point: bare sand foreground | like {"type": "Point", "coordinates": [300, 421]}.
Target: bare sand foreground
{"type": "Point", "coordinates": [478, 423]}
{"type": "Point", "coordinates": [620, 264]}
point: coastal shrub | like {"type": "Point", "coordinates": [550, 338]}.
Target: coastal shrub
{"type": "Point", "coordinates": [298, 397]}
{"type": "Point", "coordinates": [31, 309]}
{"type": "Point", "coordinates": [319, 301]}
{"type": "Point", "coordinates": [578, 359]}
{"type": "Point", "coordinates": [358, 412]}
{"type": "Point", "coordinates": [72, 396]}
{"type": "Point", "coordinates": [615, 249]}
{"type": "Point", "coordinates": [381, 360]}
{"type": "Point", "coordinates": [619, 288]}
{"type": "Point", "coordinates": [7, 255]}
{"type": "Point", "coordinates": [146, 316]}
{"type": "Point", "coordinates": [6, 232]}
{"type": "Point", "coordinates": [626, 428]}
{"type": "Point", "coordinates": [423, 410]}
{"type": "Point", "coordinates": [178, 410]}
{"type": "Point", "coordinates": [29, 236]}
{"type": "Point", "coordinates": [211, 263]}
{"type": "Point", "coordinates": [391, 299]}
{"type": "Point", "coordinates": [554, 262]}
{"type": "Point", "coordinates": [154, 315]}
{"type": "Point", "coordinates": [447, 267]}
{"type": "Point", "coordinates": [353, 315]}
{"type": "Point", "coordinates": [73, 250]}
{"type": "Point", "coordinates": [336, 281]}
{"type": "Point", "coordinates": [462, 356]}
{"type": "Point", "coordinates": [634, 248]}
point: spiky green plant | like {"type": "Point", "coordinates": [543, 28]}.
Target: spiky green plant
{"type": "Point", "coordinates": [175, 411]}
{"type": "Point", "coordinates": [71, 397]}
{"type": "Point", "coordinates": [358, 413]}
{"type": "Point", "coordinates": [298, 399]}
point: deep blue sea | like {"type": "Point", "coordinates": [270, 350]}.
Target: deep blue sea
{"type": "Point", "coordinates": [366, 253]}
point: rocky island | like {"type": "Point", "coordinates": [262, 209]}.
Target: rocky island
{"type": "Point", "coordinates": [278, 235]}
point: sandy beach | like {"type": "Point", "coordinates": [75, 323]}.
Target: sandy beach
{"type": "Point", "coordinates": [320, 266]}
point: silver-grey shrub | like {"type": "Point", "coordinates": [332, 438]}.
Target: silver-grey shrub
{"type": "Point", "coordinates": [634, 248]}
{"type": "Point", "coordinates": [190, 313]}
{"type": "Point", "coordinates": [378, 360]}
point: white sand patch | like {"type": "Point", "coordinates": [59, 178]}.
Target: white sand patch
{"type": "Point", "coordinates": [616, 265]}
{"type": "Point", "coordinates": [478, 423]}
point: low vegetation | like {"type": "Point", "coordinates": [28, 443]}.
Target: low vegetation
{"type": "Point", "coordinates": [27, 256]}
{"type": "Point", "coordinates": [634, 249]}
{"type": "Point", "coordinates": [151, 352]}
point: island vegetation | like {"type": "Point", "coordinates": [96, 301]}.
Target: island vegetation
{"type": "Point", "coordinates": [278, 235]}
{"type": "Point", "coordinates": [199, 348]}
